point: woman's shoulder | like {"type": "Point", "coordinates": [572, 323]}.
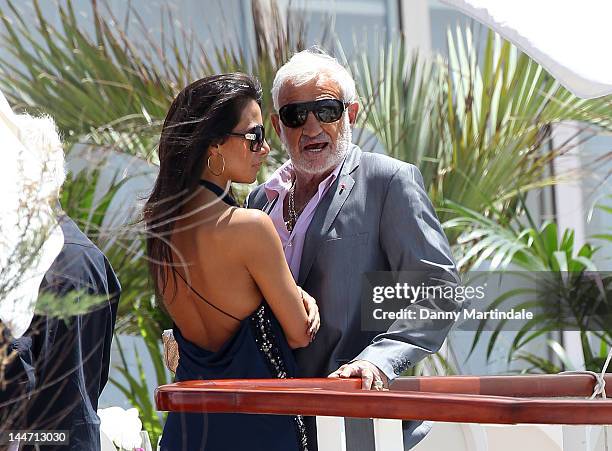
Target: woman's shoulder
{"type": "Point", "coordinates": [249, 222]}
{"type": "Point", "coordinates": [250, 215]}
{"type": "Point", "coordinates": [250, 219]}
{"type": "Point", "coordinates": [248, 225]}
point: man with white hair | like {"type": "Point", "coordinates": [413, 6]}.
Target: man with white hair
{"type": "Point", "coordinates": [59, 367]}
{"type": "Point", "coordinates": [341, 213]}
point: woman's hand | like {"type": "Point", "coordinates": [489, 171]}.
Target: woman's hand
{"type": "Point", "coordinates": [312, 310]}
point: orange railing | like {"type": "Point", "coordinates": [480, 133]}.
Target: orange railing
{"type": "Point", "coordinates": [543, 399]}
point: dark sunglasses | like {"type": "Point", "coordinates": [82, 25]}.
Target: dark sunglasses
{"type": "Point", "coordinates": [257, 136]}
{"type": "Point", "coordinates": [294, 115]}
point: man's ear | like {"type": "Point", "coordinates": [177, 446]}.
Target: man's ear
{"type": "Point", "coordinates": [275, 123]}
{"type": "Point", "coordinates": [353, 109]}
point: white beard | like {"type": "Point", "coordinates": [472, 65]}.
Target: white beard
{"type": "Point", "coordinates": [335, 154]}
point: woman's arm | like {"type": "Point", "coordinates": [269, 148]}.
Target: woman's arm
{"type": "Point", "coordinates": [265, 260]}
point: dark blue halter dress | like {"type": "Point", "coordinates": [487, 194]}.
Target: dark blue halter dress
{"type": "Point", "coordinates": [258, 349]}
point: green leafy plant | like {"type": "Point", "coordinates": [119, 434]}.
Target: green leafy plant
{"type": "Point", "coordinates": [500, 109]}
{"type": "Point", "coordinates": [477, 125]}
{"type": "Point", "coordinates": [539, 364]}
{"type": "Point", "coordinates": [606, 207]}
{"type": "Point", "coordinates": [570, 293]}
{"type": "Point", "coordinates": [403, 99]}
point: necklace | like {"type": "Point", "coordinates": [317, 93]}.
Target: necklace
{"type": "Point", "coordinates": [292, 213]}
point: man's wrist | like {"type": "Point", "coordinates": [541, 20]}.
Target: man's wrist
{"type": "Point", "coordinates": [385, 365]}
{"type": "Point", "coordinates": [380, 370]}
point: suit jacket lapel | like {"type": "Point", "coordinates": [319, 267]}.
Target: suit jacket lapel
{"type": "Point", "coordinates": [267, 207]}
{"type": "Point", "coordinates": [326, 213]}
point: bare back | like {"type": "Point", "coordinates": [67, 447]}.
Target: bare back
{"type": "Point", "coordinates": [232, 259]}
{"type": "Point", "coordinates": [213, 266]}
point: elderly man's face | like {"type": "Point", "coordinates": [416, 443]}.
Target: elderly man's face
{"type": "Point", "coordinates": [316, 147]}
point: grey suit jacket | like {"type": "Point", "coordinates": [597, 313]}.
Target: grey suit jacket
{"type": "Point", "coordinates": [376, 216]}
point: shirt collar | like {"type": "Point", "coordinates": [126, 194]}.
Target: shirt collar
{"type": "Point", "coordinates": [280, 181]}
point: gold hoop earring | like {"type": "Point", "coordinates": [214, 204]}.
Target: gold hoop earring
{"type": "Point", "coordinates": [222, 166]}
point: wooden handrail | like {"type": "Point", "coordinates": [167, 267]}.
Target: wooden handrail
{"type": "Point", "coordinates": [519, 386]}
{"type": "Point", "coordinates": [467, 399]}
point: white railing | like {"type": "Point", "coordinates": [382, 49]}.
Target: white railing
{"type": "Point", "coordinates": [472, 437]}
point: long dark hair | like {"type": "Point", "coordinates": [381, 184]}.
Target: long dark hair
{"type": "Point", "coordinates": [200, 116]}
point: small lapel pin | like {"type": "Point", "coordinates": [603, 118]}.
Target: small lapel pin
{"type": "Point", "coordinates": [342, 186]}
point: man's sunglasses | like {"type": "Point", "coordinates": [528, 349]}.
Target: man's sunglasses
{"type": "Point", "coordinates": [257, 136]}
{"type": "Point", "coordinates": [294, 115]}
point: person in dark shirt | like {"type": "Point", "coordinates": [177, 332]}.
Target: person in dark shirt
{"type": "Point", "coordinates": [61, 365]}
{"type": "Point", "coordinates": [72, 359]}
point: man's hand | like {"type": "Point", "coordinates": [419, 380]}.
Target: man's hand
{"type": "Point", "coordinates": [312, 310]}
{"type": "Point", "coordinates": [371, 376]}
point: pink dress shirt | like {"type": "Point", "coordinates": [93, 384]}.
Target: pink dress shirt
{"type": "Point", "coordinates": [278, 186]}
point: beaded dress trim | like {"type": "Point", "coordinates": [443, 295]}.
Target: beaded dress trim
{"type": "Point", "coordinates": [266, 342]}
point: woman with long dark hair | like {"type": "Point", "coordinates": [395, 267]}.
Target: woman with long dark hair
{"type": "Point", "coordinates": [220, 269]}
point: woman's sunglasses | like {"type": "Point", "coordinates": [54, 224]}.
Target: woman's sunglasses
{"type": "Point", "coordinates": [257, 136]}
{"type": "Point", "coordinates": [294, 115]}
